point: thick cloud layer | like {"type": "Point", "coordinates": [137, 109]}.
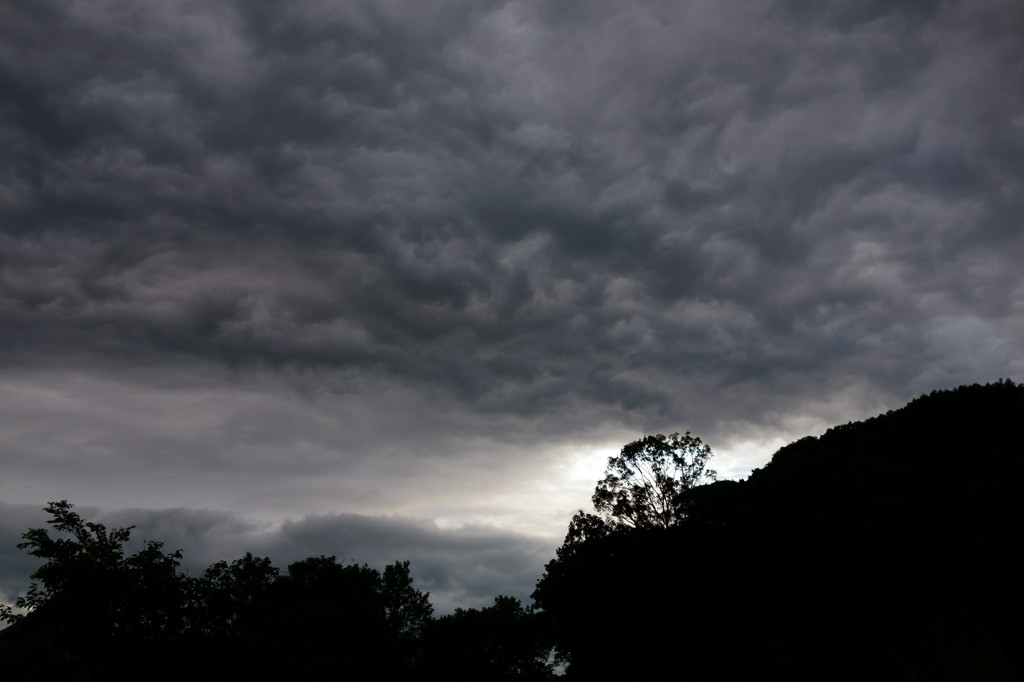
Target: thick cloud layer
{"type": "Point", "coordinates": [376, 258]}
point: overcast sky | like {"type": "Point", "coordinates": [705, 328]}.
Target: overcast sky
{"type": "Point", "coordinates": [391, 280]}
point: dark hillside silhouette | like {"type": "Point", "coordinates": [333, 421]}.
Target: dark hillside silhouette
{"type": "Point", "coordinates": [884, 548]}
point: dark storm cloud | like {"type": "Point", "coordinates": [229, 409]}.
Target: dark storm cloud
{"type": "Point", "coordinates": [362, 257]}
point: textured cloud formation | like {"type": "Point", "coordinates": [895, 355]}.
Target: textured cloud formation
{"type": "Point", "coordinates": [372, 258]}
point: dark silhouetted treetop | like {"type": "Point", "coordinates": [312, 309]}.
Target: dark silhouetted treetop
{"type": "Point", "coordinates": [93, 611]}
{"type": "Point", "coordinates": [407, 609]}
{"type": "Point", "coordinates": [88, 579]}
{"type": "Point", "coordinates": [583, 528]}
{"type": "Point", "coordinates": [644, 485]}
{"type": "Point", "coordinates": [505, 641]}
{"type": "Point", "coordinates": [226, 594]}
{"type": "Point", "coordinates": [322, 618]}
{"type": "Point", "coordinates": [97, 612]}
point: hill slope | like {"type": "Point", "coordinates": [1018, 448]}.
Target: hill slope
{"type": "Point", "coordinates": [884, 547]}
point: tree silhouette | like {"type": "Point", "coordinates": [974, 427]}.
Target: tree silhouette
{"type": "Point", "coordinates": [90, 598]}
{"type": "Point", "coordinates": [95, 611]}
{"type": "Point", "coordinates": [504, 641]}
{"type": "Point", "coordinates": [324, 618]}
{"type": "Point", "coordinates": [226, 594]}
{"type": "Point", "coordinates": [88, 575]}
{"type": "Point", "coordinates": [644, 485]}
{"type": "Point", "coordinates": [619, 566]}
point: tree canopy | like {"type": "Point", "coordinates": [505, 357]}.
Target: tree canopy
{"type": "Point", "coordinates": [645, 484]}
{"type": "Point", "coordinates": [88, 579]}
{"type": "Point", "coordinates": [97, 612]}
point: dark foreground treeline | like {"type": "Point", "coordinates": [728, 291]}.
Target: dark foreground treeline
{"type": "Point", "coordinates": [97, 613]}
{"type": "Point", "coordinates": [885, 549]}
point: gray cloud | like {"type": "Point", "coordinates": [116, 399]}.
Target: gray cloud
{"type": "Point", "coordinates": [366, 259]}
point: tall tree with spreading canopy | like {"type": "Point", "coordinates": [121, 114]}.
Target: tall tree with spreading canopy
{"type": "Point", "coordinates": [88, 577]}
{"type": "Point", "coordinates": [91, 598]}
{"type": "Point", "coordinates": [642, 507]}
{"type": "Point", "coordinates": [645, 484]}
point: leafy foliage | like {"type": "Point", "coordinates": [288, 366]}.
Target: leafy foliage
{"type": "Point", "coordinates": [96, 612]}
{"type": "Point", "coordinates": [226, 595]}
{"type": "Point", "coordinates": [504, 641]}
{"type": "Point", "coordinates": [90, 596]}
{"type": "Point", "coordinates": [87, 575]}
{"type": "Point", "coordinates": [406, 610]}
{"type": "Point", "coordinates": [644, 485]}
